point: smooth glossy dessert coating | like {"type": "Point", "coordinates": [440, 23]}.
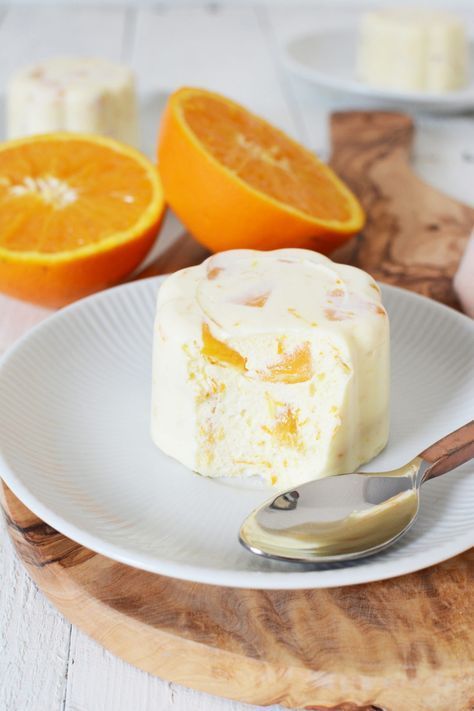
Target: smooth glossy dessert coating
{"type": "Point", "coordinates": [73, 94]}
{"type": "Point", "coordinates": [270, 364]}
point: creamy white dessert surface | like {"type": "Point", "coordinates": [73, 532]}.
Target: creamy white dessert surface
{"type": "Point", "coordinates": [73, 94]}
{"type": "Point", "coordinates": [413, 49]}
{"type": "Point", "coordinates": [270, 364]}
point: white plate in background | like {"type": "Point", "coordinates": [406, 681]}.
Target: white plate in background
{"type": "Point", "coordinates": [75, 445]}
{"type": "Point", "coordinates": [327, 58]}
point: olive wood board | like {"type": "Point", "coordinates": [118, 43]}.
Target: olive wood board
{"type": "Point", "coordinates": [415, 235]}
{"type": "Point", "coordinates": [405, 644]}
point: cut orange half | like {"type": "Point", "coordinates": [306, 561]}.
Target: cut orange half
{"type": "Point", "coordinates": [77, 213]}
{"type": "Point", "coordinates": [236, 181]}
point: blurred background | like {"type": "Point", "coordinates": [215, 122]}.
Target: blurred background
{"type": "Point", "coordinates": [237, 48]}
{"type": "Point", "coordinates": [244, 50]}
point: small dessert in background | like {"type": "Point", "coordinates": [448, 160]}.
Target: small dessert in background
{"type": "Point", "coordinates": [73, 94]}
{"type": "Point", "coordinates": [270, 364]}
{"type": "Point", "coordinates": [236, 181]}
{"type": "Point", "coordinates": [464, 279]}
{"type": "Point", "coordinates": [412, 50]}
{"type": "Point", "coordinates": [78, 213]}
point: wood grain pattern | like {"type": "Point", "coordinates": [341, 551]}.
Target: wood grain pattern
{"type": "Point", "coordinates": [399, 644]}
{"type": "Point", "coordinates": [415, 235]}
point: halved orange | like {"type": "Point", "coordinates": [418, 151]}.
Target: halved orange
{"type": "Point", "coordinates": [235, 181]}
{"type": "Point", "coordinates": [77, 214]}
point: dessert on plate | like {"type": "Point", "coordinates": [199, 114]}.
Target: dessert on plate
{"type": "Point", "coordinates": [73, 94]}
{"type": "Point", "coordinates": [270, 364]}
{"type": "Point", "coordinates": [412, 50]}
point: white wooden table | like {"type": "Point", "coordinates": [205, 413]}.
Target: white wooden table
{"type": "Point", "coordinates": [45, 663]}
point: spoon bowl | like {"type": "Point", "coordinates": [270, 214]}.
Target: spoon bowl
{"type": "Point", "coordinates": [350, 515]}
{"type": "Point", "coordinates": [334, 519]}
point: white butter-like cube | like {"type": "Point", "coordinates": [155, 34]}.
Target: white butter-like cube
{"type": "Point", "coordinates": [73, 94]}
{"type": "Point", "coordinates": [271, 364]}
{"type": "Point", "coordinates": [412, 50]}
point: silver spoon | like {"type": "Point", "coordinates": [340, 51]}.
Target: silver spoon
{"type": "Point", "coordinates": [350, 515]}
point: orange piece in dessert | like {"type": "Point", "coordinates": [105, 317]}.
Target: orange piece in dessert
{"type": "Point", "coordinates": [219, 352]}
{"type": "Point", "coordinates": [295, 367]}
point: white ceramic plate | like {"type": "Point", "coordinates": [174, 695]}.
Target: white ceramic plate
{"type": "Point", "coordinates": [75, 445]}
{"type": "Point", "coordinates": [326, 57]}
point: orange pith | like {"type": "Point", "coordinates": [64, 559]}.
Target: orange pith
{"type": "Point", "coordinates": [77, 213]}
{"type": "Point", "coordinates": [236, 181]}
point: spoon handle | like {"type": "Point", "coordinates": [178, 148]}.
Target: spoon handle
{"type": "Point", "coordinates": [449, 452]}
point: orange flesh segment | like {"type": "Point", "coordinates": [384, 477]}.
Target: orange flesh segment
{"type": "Point", "coordinates": [109, 192]}
{"type": "Point", "coordinates": [220, 353]}
{"type": "Point", "coordinates": [294, 367]}
{"type": "Point", "coordinates": [334, 315]}
{"type": "Point", "coordinates": [264, 158]}
{"type": "Point", "coordinates": [214, 273]}
{"type": "Point", "coordinates": [256, 301]}
{"type": "Point", "coordinates": [286, 428]}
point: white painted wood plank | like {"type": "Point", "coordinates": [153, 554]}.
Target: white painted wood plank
{"type": "Point", "coordinates": [443, 148]}
{"type": "Point", "coordinates": [218, 48]}
{"type": "Point", "coordinates": [190, 3]}
{"type": "Point", "coordinates": [311, 104]}
{"type": "Point", "coordinates": [30, 34]}
{"type": "Point", "coordinates": [98, 681]}
{"type": "Point", "coordinates": [188, 700]}
{"type": "Point", "coordinates": [34, 641]}
{"type": "Point", "coordinates": [443, 155]}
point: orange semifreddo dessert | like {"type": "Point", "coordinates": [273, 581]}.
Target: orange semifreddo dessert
{"type": "Point", "coordinates": [271, 364]}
